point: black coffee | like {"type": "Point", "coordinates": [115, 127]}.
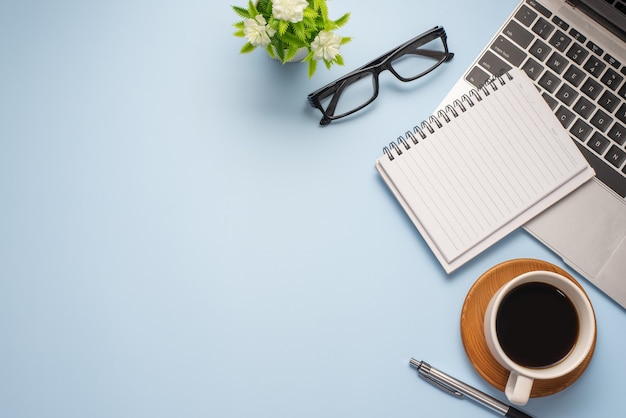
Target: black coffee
{"type": "Point", "coordinates": [536, 325]}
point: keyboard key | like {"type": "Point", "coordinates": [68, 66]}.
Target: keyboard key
{"type": "Point", "coordinates": [609, 101]}
{"type": "Point", "coordinates": [598, 143]}
{"type": "Point", "coordinates": [490, 62]}
{"type": "Point", "coordinates": [612, 61]}
{"type": "Point", "coordinates": [616, 156]}
{"type": "Point", "coordinates": [549, 81]}
{"type": "Point", "coordinates": [621, 113]}
{"type": "Point", "coordinates": [543, 28]}
{"type": "Point", "coordinates": [532, 69]}
{"type": "Point", "coordinates": [611, 79]}
{"type": "Point", "coordinates": [557, 62]}
{"type": "Point", "coordinates": [560, 23]}
{"type": "Point", "coordinates": [622, 92]}
{"type": "Point", "coordinates": [574, 75]}
{"type": "Point", "coordinates": [601, 120]}
{"type": "Point", "coordinates": [508, 51]}
{"type": "Point", "coordinates": [618, 133]}
{"type": "Point", "coordinates": [581, 130]}
{"type": "Point", "coordinates": [567, 94]}
{"type": "Point", "coordinates": [595, 48]}
{"type": "Point", "coordinates": [577, 53]}
{"type": "Point", "coordinates": [565, 116]}
{"type": "Point", "coordinates": [604, 172]}
{"type": "Point", "coordinates": [594, 66]}
{"type": "Point", "coordinates": [591, 88]}
{"type": "Point", "coordinates": [541, 9]}
{"type": "Point", "coordinates": [477, 77]}
{"type": "Point", "coordinates": [584, 107]}
{"type": "Point", "coordinates": [539, 50]}
{"type": "Point", "coordinates": [526, 16]}
{"type": "Point", "coordinates": [551, 101]}
{"type": "Point", "coordinates": [560, 41]}
{"type": "Point", "coordinates": [578, 36]}
{"type": "Point", "coordinates": [518, 34]}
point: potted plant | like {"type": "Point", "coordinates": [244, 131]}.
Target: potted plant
{"type": "Point", "coordinates": [291, 29]}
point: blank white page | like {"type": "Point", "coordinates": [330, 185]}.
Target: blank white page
{"type": "Point", "coordinates": [483, 174]}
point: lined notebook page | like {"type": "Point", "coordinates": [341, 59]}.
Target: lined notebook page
{"type": "Point", "coordinates": [486, 171]}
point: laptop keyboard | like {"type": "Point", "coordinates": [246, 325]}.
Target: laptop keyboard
{"type": "Point", "coordinates": [583, 84]}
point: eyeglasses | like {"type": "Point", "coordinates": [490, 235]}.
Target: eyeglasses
{"type": "Point", "coordinates": [407, 62]}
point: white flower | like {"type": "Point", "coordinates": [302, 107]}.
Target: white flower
{"type": "Point", "coordinates": [326, 45]}
{"type": "Point", "coordinates": [289, 10]}
{"type": "Point", "coordinates": [258, 31]}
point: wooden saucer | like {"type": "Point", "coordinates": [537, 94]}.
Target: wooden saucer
{"type": "Point", "coordinates": [472, 329]}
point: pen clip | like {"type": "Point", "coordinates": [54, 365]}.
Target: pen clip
{"type": "Point", "coordinates": [441, 385]}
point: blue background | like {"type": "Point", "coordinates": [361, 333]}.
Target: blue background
{"type": "Point", "coordinates": [179, 237]}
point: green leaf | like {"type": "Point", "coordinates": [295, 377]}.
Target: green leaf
{"type": "Point", "coordinates": [247, 48]}
{"type": "Point", "coordinates": [298, 29]}
{"type": "Point", "coordinates": [309, 13]}
{"type": "Point", "coordinates": [279, 49]}
{"type": "Point", "coordinates": [309, 23]}
{"type": "Point", "coordinates": [345, 40]}
{"type": "Point", "coordinates": [342, 20]}
{"type": "Point", "coordinates": [338, 60]}
{"type": "Point", "coordinates": [322, 7]}
{"type": "Point", "coordinates": [252, 9]}
{"type": "Point", "coordinates": [264, 7]}
{"type": "Point", "coordinates": [290, 39]}
{"type": "Point", "coordinates": [241, 12]}
{"type": "Point", "coordinates": [312, 67]}
{"type": "Point", "coordinates": [270, 51]}
{"type": "Point", "coordinates": [291, 52]}
{"type": "Point", "coordinates": [239, 34]}
{"type": "Point", "coordinates": [282, 27]}
{"type": "Point", "coordinates": [273, 23]}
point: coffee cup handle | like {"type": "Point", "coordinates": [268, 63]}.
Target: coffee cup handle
{"type": "Point", "coordinates": [518, 388]}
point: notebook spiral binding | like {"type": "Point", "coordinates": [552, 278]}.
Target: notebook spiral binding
{"type": "Point", "coordinates": [444, 116]}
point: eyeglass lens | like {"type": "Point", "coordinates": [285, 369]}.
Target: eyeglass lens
{"type": "Point", "coordinates": [360, 90]}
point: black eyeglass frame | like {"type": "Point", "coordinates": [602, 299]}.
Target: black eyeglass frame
{"type": "Point", "coordinates": [376, 67]}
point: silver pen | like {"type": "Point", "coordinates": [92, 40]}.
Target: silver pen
{"type": "Point", "coordinates": [459, 389]}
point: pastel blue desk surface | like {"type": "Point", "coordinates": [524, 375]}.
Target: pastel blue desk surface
{"type": "Point", "coordinates": [180, 238]}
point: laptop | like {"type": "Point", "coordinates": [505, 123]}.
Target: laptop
{"type": "Point", "coordinates": [575, 52]}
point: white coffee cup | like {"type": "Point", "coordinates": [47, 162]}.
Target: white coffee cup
{"type": "Point", "coordinates": [525, 339]}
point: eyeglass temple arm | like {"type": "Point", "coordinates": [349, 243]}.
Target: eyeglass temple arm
{"type": "Point", "coordinates": [330, 110]}
{"type": "Point", "coordinates": [433, 54]}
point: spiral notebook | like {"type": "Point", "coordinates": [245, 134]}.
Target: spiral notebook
{"type": "Point", "coordinates": [482, 167]}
